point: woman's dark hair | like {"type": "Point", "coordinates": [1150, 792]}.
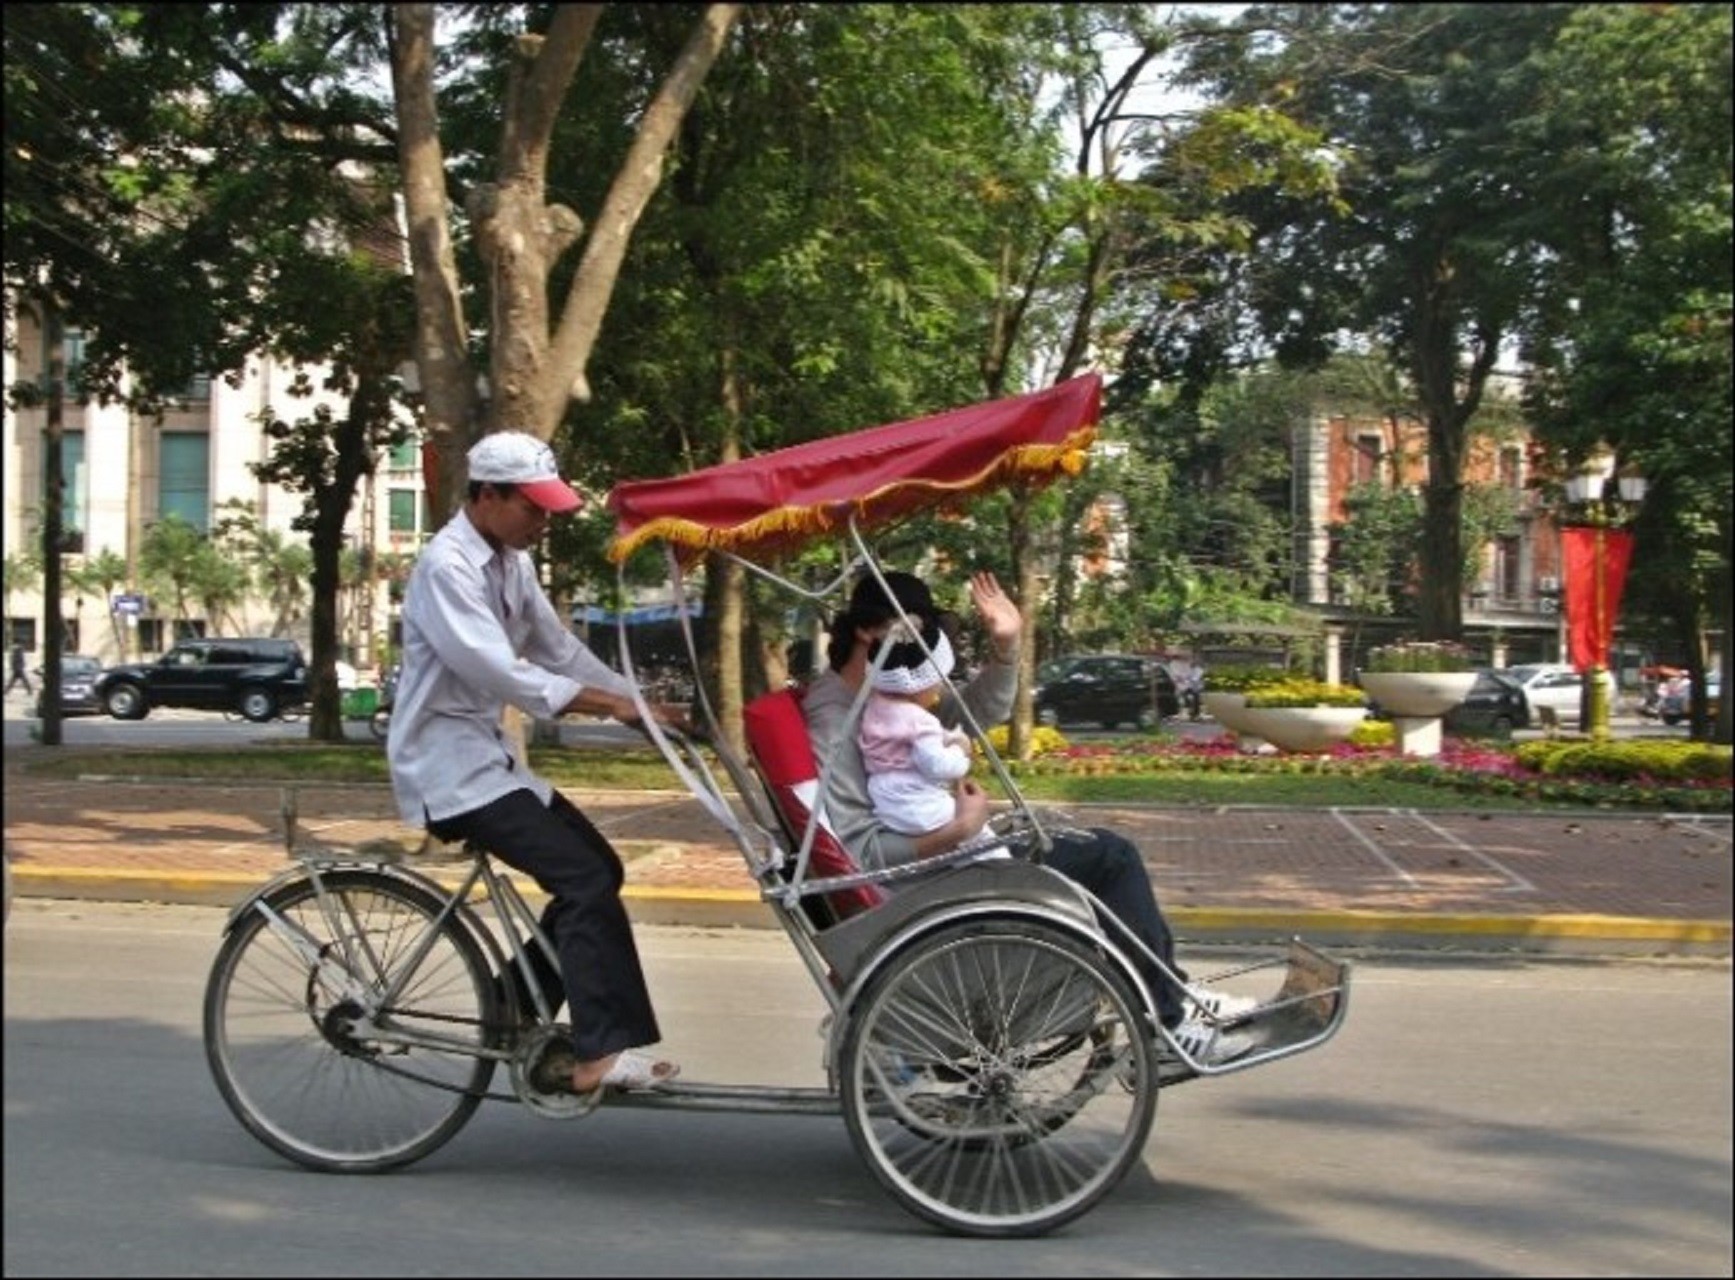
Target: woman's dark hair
{"type": "Point", "coordinates": [870, 607]}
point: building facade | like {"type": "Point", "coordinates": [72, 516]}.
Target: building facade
{"type": "Point", "coordinates": [123, 471]}
{"type": "Point", "coordinates": [1511, 601]}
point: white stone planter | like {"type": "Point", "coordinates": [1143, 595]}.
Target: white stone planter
{"type": "Point", "coordinates": [1417, 693]}
{"type": "Point", "coordinates": [1302, 728]}
{"type": "Point", "coordinates": [1227, 709]}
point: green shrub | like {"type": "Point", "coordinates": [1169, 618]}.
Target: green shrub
{"type": "Point", "coordinates": [1374, 733]}
{"type": "Point", "coordinates": [1664, 760]}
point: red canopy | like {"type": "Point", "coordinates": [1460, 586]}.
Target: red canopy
{"type": "Point", "coordinates": [774, 502]}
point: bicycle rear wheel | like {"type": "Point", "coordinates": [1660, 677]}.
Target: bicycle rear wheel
{"type": "Point", "coordinates": [288, 1053]}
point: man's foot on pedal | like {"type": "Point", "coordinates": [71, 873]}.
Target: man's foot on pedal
{"type": "Point", "coordinates": [1208, 1044]}
{"type": "Point", "coordinates": [628, 1069]}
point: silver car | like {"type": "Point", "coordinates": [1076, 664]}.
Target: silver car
{"type": "Point", "coordinates": [1554, 691]}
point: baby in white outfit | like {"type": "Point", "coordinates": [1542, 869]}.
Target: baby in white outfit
{"type": "Point", "coordinates": [912, 760]}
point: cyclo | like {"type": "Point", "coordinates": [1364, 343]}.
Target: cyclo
{"type": "Point", "coordinates": [994, 1050]}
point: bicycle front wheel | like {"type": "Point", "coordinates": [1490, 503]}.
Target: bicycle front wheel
{"type": "Point", "coordinates": [304, 1052]}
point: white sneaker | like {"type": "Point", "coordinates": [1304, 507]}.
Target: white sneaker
{"type": "Point", "coordinates": [1225, 1006]}
{"type": "Point", "coordinates": [1209, 1044]}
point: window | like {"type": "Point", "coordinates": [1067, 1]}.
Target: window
{"type": "Point", "coordinates": [1506, 555]}
{"type": "Point", "coordinates": [72, 351]}
{"type": "Point", "coordinates": [1367, 459]}
{"type": "Point", "coordinates": [401, 510]}
{"type": "Point", "coordinates": [185, 487]}
{"type": "Point", "coordinates": [1511, 467]}
{"type": "Point", "coordinates": [72, 487]}
{"type": "Point", "coordinates": [72, 491]}
{"type": "Point", "coordinates": [404, 457]}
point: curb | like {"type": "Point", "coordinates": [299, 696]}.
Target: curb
{"type": "Point", "coordinates": [1581, 935]}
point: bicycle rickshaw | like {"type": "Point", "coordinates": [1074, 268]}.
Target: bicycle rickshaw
{"type": "Point", "coordinates": [994, 1052]}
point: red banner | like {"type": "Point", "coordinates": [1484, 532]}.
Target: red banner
{"type": "Point", "coordinates": [1594, 563]}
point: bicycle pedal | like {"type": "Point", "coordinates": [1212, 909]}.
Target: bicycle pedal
{"type": "Point", "coordinates": [553, 1070]}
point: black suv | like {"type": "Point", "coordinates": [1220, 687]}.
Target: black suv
{"type": "Point", "coordinates": [256, 678]}
{"type": "Point", "coordinates": [1110, 689]}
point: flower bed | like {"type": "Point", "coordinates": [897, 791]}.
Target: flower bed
{"type": "Point", "coordinates": [1296, 691]}
{"type": "Point", "coordinates": [1640, 774]}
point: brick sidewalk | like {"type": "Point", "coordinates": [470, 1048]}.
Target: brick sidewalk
{"type": "Point", "coordinates": [1647, 883]}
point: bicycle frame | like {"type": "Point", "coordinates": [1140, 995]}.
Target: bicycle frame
{"type": "Point", "coordinates": [511, 916]}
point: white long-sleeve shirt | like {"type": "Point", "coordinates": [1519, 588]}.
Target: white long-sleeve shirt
{"type": "Point", "coordinates": [478, 633]}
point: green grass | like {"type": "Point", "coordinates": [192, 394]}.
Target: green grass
{"type": "Point", "coordinates": [353, 763]}
{"type": "Point", "coordinates": [643, 769]}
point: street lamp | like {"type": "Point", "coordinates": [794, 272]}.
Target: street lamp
{"type": "Point", "coordinates": [1596, 547]}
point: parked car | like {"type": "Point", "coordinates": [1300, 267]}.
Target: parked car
{"type": "Point", "coordinates": [1495, 704]}
{"type": "Point", "coordinates": [1676, 703]}
{"type": "Point", "coordinates": [1109, 689]}
{"type": "Point", "coordinates": [256, 677]}
{"type": "Point", "coordinates": [1554, 690]}
{"type": "Point", "coordinates": [78, 673]}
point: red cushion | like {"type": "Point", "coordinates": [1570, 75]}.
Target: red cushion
{"type": "Point", "coordinates": [777, 738]}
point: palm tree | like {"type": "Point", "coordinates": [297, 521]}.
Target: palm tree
{"type": "Point", "coordinates": [169, 557]}
{"type": "Point", "coordinates": [101, 576]}
{"type": "Point", "coordinates": [284, 570]}
{"type": "Point", "coordinates": [23, 570]}
{"type": "Point", "coordinates": [222, 583]}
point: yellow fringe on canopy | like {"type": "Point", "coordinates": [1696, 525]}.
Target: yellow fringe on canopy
{"type": "Point", "coordinates": [1039, 463]}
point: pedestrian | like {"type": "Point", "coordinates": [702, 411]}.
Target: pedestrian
{"type": "Point", "coordinates": [19, 675]}
{"type": "Point", "coordinates": [479, 633]}
{"type": "Point", "coordinates": [1102, 861]}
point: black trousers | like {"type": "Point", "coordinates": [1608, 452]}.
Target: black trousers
{"type": "Point", "coordinates": [1111, 867]}
{"type": "Point", "coordinates": [557, 846]}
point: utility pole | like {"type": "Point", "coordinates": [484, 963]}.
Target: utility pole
{"type": "Point", "coordinates": [53, 627]}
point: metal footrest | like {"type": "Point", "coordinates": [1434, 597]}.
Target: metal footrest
{"type": "Point", "coordinates": [744, 1098]}
{"type": "Point", "coordinates": [1306, 1012]}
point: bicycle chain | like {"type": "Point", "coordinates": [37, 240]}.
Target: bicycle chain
{"type": "Point", "coordinates": [377, 1061]}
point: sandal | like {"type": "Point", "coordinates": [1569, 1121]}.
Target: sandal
{"type": "Point", "coordinates": [634, 1070]}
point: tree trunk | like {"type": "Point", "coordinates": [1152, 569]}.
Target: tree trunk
{"type": "Point", "coordinates": [729, 597]}
{"type": "Point", "coordinates": [520, 237]}
{"type": "Point", "coordinates": [448, 385]}
{"type": "Point", "coordinates": [370, 403]}
{"type": "Point", "coordinates": [588, 298]}
{"type": "Point", "coordinates": [1441, 334]}
{"type": "Point", "coordinates": [53, 638]}
{"type": "Point", "coordinates": [1439, 600]}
